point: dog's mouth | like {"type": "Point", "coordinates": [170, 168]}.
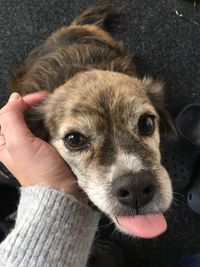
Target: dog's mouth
{"type": "Point", "coordinates": [144, 226]}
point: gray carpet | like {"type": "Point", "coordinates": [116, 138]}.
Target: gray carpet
{"type": "Point", "coordinates": [164, 45]}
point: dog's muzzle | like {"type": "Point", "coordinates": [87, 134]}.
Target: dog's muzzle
{"type": "Point", "coordinates": [134, 189]}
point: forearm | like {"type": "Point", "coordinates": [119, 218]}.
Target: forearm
{"type": "Point", "coordinates": [52, 229]}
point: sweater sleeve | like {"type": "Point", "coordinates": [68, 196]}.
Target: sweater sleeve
{"type": "Point", "coordinates": [51, 229]}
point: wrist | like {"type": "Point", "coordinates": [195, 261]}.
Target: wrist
{"type": "Point", "coordinates": [68, 187]}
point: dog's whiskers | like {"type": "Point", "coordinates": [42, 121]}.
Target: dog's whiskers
{"type": "Point", "coordinates": [178, 194]}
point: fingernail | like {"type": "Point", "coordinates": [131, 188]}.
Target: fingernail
{"type": "Point", "coordinates": [44, 93]}
{"type": "Point", "coordinates": [14, 96]}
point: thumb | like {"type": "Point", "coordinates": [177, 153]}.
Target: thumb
{"type": "Point", "coordinates": [12, 121]}
{"type": "Point", "coordinates": [15, 101]}
{"type": "Point", "coordinates": [35, 98]}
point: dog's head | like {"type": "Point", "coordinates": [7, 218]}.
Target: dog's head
{"type": "Point", "coordinates": [107, 127]}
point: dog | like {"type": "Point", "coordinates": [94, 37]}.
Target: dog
{"type": "Point", "coordinates": [103, 119]}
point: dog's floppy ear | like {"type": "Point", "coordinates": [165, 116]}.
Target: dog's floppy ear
{"type": "Point", "coordinates": [34, 118]}
{"type": "Point", "coordinates": [155, 92]}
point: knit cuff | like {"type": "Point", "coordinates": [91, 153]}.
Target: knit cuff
{"type": "Point", "coordinates": [52, 229]}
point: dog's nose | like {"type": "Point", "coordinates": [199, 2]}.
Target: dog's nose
{"type": "Point", "coordinates": [134, 190]}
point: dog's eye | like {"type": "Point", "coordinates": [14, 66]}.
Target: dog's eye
{"type": "Point", "coordinates": [146, 125]}
{"type": "Point", "coordinates": [76, 141]}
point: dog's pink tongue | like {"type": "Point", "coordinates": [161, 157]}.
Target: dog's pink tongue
{"type": "Point", "coordinates": [145, 226]}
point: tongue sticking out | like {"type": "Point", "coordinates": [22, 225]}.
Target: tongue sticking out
{"type": "Point", "coordinates": [145, 226]}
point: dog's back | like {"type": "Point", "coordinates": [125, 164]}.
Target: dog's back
{"type": "Point", "coordinates": [86, 44]}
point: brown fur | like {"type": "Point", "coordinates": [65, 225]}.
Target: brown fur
{"type": "Point", "coordinates": [68, 51]}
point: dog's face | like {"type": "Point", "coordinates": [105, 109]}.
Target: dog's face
{"type": "Point", "coordinates": [106, 126]}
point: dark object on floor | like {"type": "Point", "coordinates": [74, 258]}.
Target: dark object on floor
{"type": "Point", "coordinates": [106, 253]}
{"type": "Point", "coordinates": [188, 126]}
{"type": "Point", "coordinates": [9, 197]}
{"type": "Point", "coordinates": [2, 235]}
{"type": "Point", "coordinates": [192, 261]}
{"type": "Point", "coordinates": [8, 200]}
{"type": "Point", "coordinates": [193, 195]}
{"type": "Point", "coordinates": [5, 227]}
{"type": "Point", "coordinates": [6, 178]}
{"type": "Point", "coordinates": [180, 156]}
{"type": "Point", "coordinates": [179, 166]}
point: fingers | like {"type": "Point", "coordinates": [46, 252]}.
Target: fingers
{"type": "Point", "coordinates": [13, 126]}
{"type": "Point", "coordinates": [15, 102]}
{"type": "Point", "coordinates": [35, 98]}
{"type": "Point", "coordinates": [21, 103]}
{"type": "Point", "coordinates": [11, 115]}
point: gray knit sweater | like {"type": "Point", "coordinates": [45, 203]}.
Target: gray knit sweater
{"type": "Point", "coordinates": [52, 229]}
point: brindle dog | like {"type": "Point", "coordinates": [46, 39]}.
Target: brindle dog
{"type": "Point", "coordinates": [102, 118]}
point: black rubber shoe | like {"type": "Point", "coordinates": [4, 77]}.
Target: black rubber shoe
{"type": "Point", "coordinates": [180, 156]}
{"type": "Point", "coordinates": [193, 195]}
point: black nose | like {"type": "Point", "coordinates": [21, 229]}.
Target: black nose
{"type": "Point", "coordinates": [134, 190]}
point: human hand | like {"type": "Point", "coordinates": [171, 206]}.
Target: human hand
{"type": "Point", "coordinates": [31, 160]}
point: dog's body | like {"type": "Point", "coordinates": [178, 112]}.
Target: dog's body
{"type": "Point", "coordinates": [103, 120]}
{"type": "Point", "coordinates": [80, 47]}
